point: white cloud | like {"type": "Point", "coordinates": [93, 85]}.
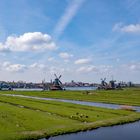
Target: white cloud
{"type": "Point", "coordinates": [70, 11]}
{"type": "Point", "coordinates": [65, 55]}
{"type": "Point", "coordinates": [38, 66]}
{"type": "Point", "coordinates": [132, 28]}
{"type": "Point", "coordinates": [13, 67]}
{"type": "Point", "coordinates": [51, 59]}
{"type": "Point", "coordinates": [105, 68]}
{"type": "Point", "coordinates": [5, 64]}
{"type": "Point", "coordinates": [57, 70]}
{"type": "Point", "coordinates": [132, 66]}
{"type": "Point", "coordinates": [82, 61]}
{"type": "Point", "coordinates": [3, 48]}
{"type": "Point", "coordinates": [10, 67]}
{"type": "Point", "coordinates": [92, 68]}
{"type": "Point", "coordinates": [86, 69]}
{"type": "Point", "coordinates": [35, 41]}
{"type": "Point", "coordinates": [34, 65]}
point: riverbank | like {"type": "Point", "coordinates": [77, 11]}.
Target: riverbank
{"type": "Point", "coordinates": [97, 125]}
{"type": "Point", "coordinates": [35, 135]}
{"type": "Point", "coordinates": [129, 131]}
{"type": "Point", "coordinates": [23, 118]}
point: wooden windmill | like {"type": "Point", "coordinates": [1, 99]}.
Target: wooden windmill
{"type": "Point", "coordinates": [56, 84]}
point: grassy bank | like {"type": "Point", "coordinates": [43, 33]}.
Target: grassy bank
{"type": "Point", "coordinates": [128, 96]}
{"type": "Point", "coordinates": [22, 118]}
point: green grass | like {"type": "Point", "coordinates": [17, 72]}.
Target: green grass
{"type": "Point", "coordinates": [128, 96]}
{"type": "Point", "coordinates": [15, 122]}
{"type": "Point", "coordinates": [22, 118]}
{"type": "Point", "coordinates": [72, 111]}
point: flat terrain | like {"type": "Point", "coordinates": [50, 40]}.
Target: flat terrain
{"type": "Point", "coordinates": [22, 118]}
{"type": "Point", "coordinates": [128, 96]}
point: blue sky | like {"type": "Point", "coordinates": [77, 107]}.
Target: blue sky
{"type": "Point", "coordinates": [84, 40]}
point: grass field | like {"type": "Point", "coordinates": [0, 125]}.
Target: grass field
{"type": "Point", "coordinates": [128, 96]}
{"type": "Point", "coordinates": [22, 118]}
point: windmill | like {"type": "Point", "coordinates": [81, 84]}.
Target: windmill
{"type": "Point", "coordinates": [56, 84]}
{"type": "Point", "coordinates": [103, 82]}
{"type": "Point", "coordinates": [112, 84]}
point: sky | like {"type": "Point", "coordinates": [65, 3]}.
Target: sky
{"type": "Point", "coordinates": [82, 40]}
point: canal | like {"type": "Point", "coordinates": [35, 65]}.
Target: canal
{"type": "Point", "coordinates": [97, 104]}
{"type": "Point", "coordinates": [129, 131]}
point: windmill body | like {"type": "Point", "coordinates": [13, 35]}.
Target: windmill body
{"type": "Point", "coordinates": [56, 84]}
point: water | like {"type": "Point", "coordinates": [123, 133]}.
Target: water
{"type": "Point", "coordinates": [27, 89]}
{"type": "Point", "coordinates": [80, 88]}
{"type": "Point", "coordinates": [97, 104]}
{"type": "Point", "coordinates": [67, 88]}
{"type": "Point", "coordinates": [121, 132]}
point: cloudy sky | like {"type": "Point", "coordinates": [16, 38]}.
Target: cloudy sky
{"type": "Point", "coordinates": [84, 40]}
